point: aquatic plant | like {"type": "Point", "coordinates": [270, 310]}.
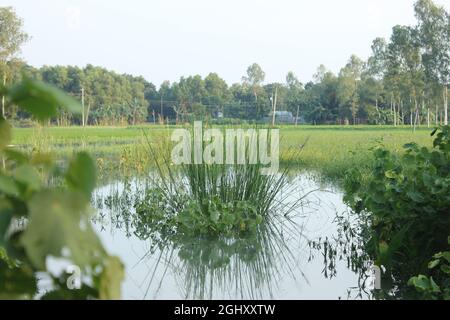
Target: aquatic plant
{"type": "Point", "coordinates": [208, 199]}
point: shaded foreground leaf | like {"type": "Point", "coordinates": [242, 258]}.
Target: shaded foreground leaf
{"type": "Point", "coordinates": [40, 99]}
{"type": "Point", "coordinates": [5, 133]}
{"type": "Point", "coordinates": [81, 175]}
{"type": "Point", "coordinates": [58, 221]}
{"type": "Point", "coordinates": [111, 279]}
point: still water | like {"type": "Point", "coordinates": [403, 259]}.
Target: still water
{"type": "Point", "coordinates": [278, 264]}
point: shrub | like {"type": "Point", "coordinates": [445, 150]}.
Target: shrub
{"type": "Point", "coordinates": [407, 202]}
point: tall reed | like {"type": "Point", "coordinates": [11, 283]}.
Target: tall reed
{"type": "Point", "coordinates": [223, 197]}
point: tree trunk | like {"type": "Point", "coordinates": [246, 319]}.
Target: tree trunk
{"type": "Point", "coordinates": [395, 114]}
{"type": "Point", "coordinates": [87, 114]}
{"type": "Point", "coordinates": [436, 115]}
{"type": "Point", "coordinates": [415, 114]}
{"type": "Point", "coordinates": [82, 107]}
{"type": "Point", "coordinates": [445, 105]}
{"type": "Point", "coordinates": [402, 113]}
{"type": "Point", "coordinates": [3, 96]}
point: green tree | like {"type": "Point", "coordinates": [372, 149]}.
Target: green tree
{"type": "Point", "coordinates": [253, 80]}
{"type": "Point", "coordinates": [434, 33]}
{"type": "Point", "coordinates": [294, 95]}
{"type": "Point", "coordinates": [347, 90]}
{"type": "Point", "coordinates": [217, 93]}
{"type": "Point", "coordinates": [12, 37]}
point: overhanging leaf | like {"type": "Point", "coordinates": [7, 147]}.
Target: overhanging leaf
{"type": "Point", "coordinates": [28, 176]}
{"type": "Point", "coordinates": [16, 282]}
{"type": "Point", "coordinates": [58, 221]}
{"type": "Point", "coordinates": [111, 279]}
{"type": "Point", "coordinates": [40, 99]}
{"type": "Point", "coordinates": [8, 186]}
{"type": "Point", "coordinates": [5, 133]}
{"type": "Point", "coordinates": [81, 175]}
{"type": "Point", "coordinates": [6, 215]}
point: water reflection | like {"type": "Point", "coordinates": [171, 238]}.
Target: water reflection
{"type": "Point", "coordinates": [284, 259]}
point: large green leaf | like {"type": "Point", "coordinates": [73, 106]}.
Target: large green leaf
{"type": "Point", "coordinates": [58, 221]}
{"type": "Point", "coordinates": [5, 133]}
{"type": "Point", "coordinates": [6, 214]}
{"type": "Point", "coordinates": [421, 282]}
{"type": "Point", "coordinates": [16, 282]}
{"type": "Point", "coordinates": [28, 176]}
{"type": "Point", "coordinates": [8, 185]}
{"type": "Point", "coordinates": [111, 279]}
{"type": "Point", "coordinates": [81, 175]}
{"type": "Point", "coordinates": [40, 99]}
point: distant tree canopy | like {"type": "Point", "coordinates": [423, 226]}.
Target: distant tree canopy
{"type": "Point", "coordinates": [404, 81]}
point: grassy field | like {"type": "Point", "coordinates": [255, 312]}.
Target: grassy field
{"type": "Point", "coordinates": [330, 150]}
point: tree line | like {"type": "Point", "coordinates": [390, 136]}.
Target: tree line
{"type": "Point", "coordinates": [404, 81]}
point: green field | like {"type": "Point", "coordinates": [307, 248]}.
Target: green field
{"type": "Point", "coordinates": [330, 150]}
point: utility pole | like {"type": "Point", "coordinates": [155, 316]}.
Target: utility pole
{"type": "Point", "coordinates": [162, 106]}
{"type": "Point", "coordinates": [274, 106]}
{"type": "Point", "coordinates": [82, 106]}
{"type": "Point", "coordinates": [296, 117]}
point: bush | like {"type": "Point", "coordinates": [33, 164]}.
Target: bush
{"type": "Point", "coordinates": [407, 202]}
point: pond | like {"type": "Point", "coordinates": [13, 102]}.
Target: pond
{"type": "Point", "coordinates": [280, 263]}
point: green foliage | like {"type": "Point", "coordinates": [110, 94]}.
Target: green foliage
{"type": "Point", "coordinates": [41, 217]}
{"type": "Point", "coordinates": [407, 200]}
{"type": "Point", "coordinates": [426, 287]}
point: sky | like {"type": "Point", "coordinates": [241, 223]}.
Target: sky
{"type": "Point", "coordinates": [165, 39]}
